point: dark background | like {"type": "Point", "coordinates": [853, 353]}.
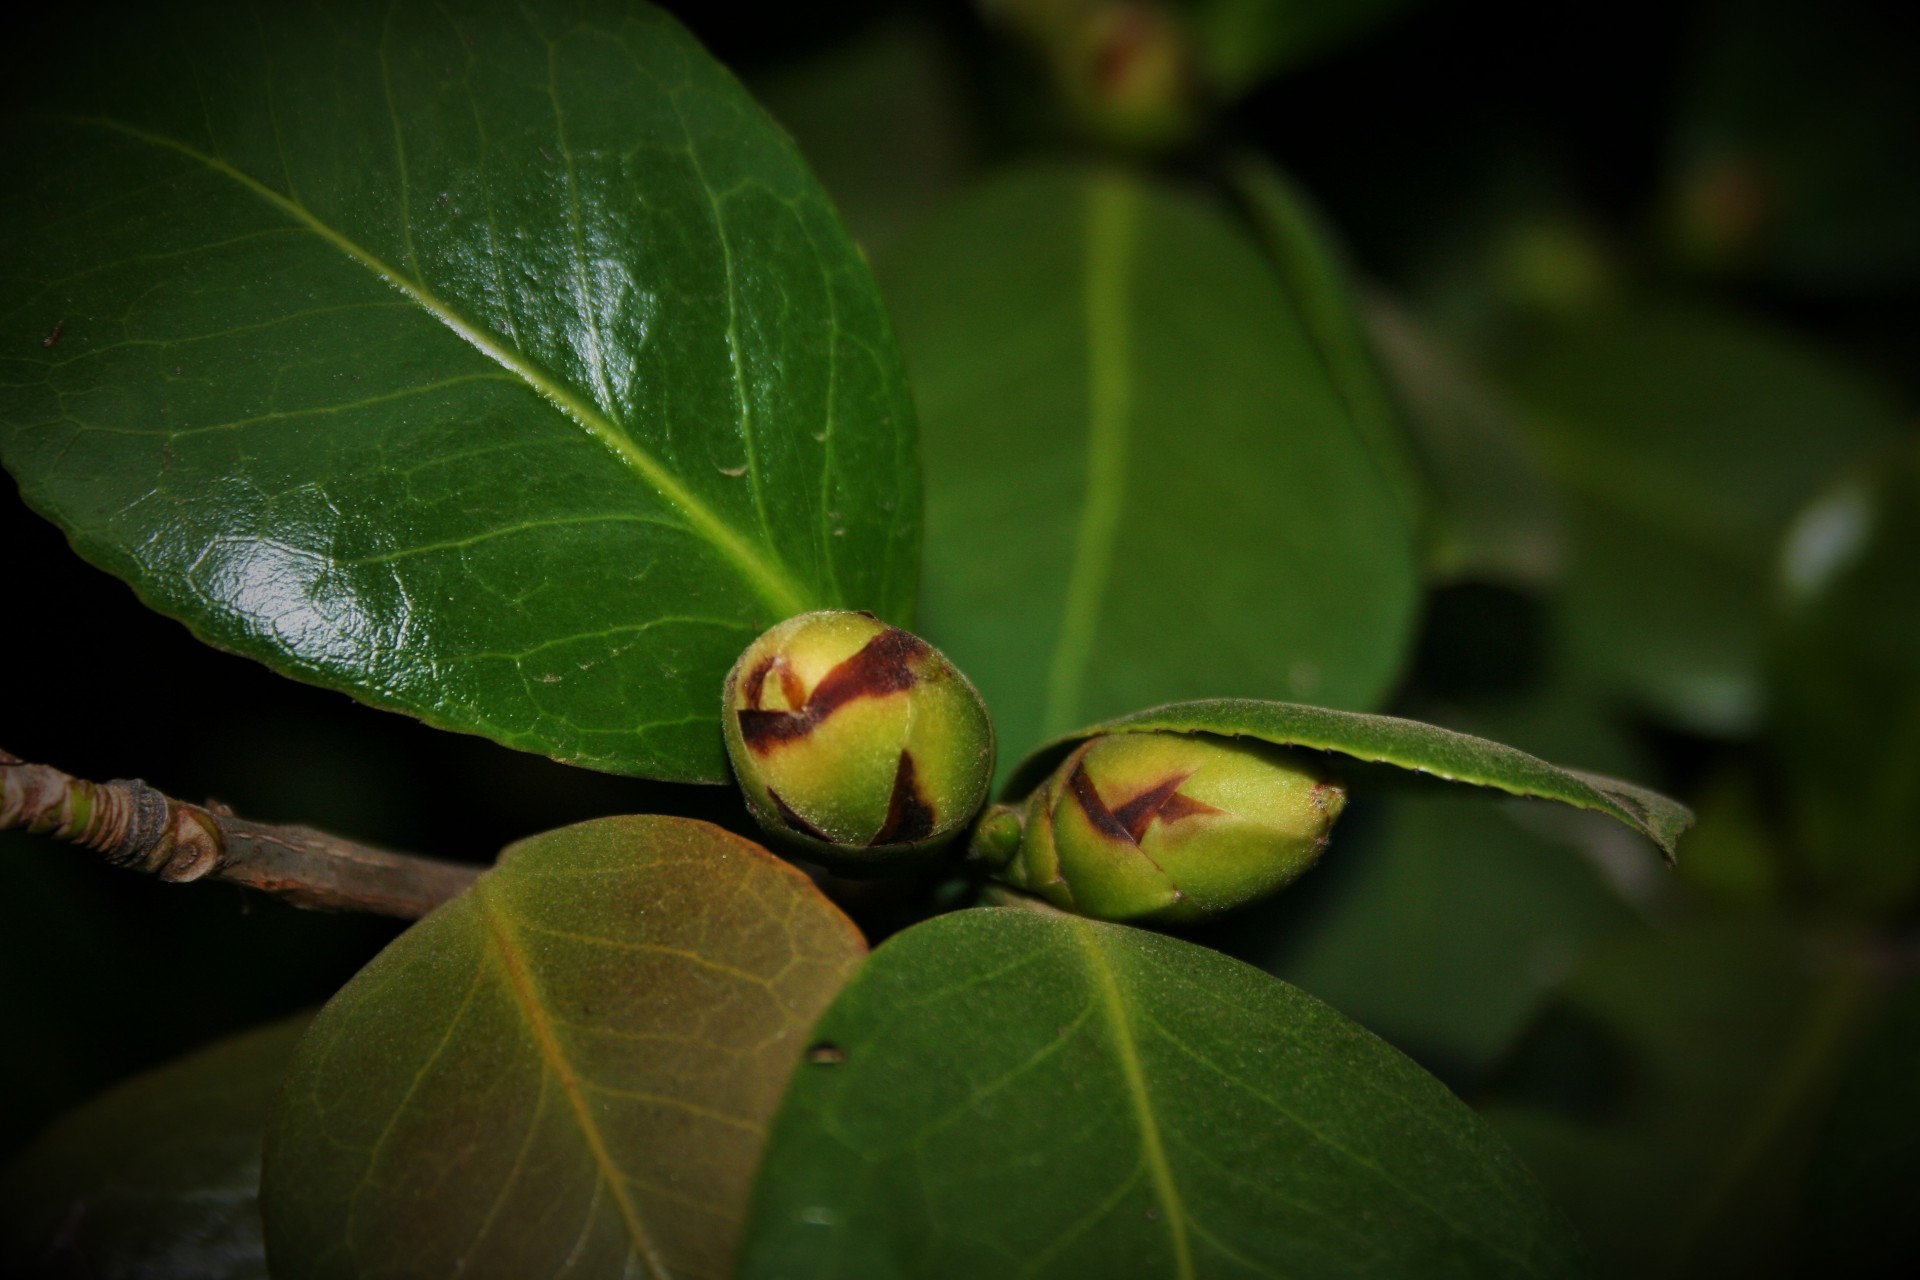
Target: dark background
{"type": "Point", "coordinates": [1447, 144]}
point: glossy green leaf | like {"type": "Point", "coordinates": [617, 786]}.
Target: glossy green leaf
{"type": "Point", "coordinates": [1847, 684]}
{"type": "Point", "coordinates": [1443, 926]}
{"type": "Point", "coordinates": [499, 364]}
{"type": "Point", "coordinates": [1684, 440]}
{"type": "Point", "coordinates": [1008, 1092]}
{"type": "Point", "coordinates": [1390, 740]}
{"type": "Point", "coordinates": [567, 1070]}
{"type": "Point", "coordinates": [1864, 1179]}
{"type": "Point", "coordinates": [158, 1178]}
{"type": "Point", "coordinates": [1705, 1060]}
{"type": "Point", "coordinates": [1318, 282]}
{"type": "Point", "coordinates": [1141, 482]}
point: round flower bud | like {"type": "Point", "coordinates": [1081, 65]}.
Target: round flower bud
{"type": "Point", "coordinates": [855, 741]}
{"type": "Point", "coordinates": [1172, 827]}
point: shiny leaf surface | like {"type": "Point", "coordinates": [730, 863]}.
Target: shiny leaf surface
{"type": "Point", "coordinates": [1142, 482]}
{"type": "Point", "coordinates": [156, 1179]}
{"type": "Point", "coordinates": [567, 1070]}
{"type": "Point", "coordinates": [1009, 1092]}
{"type": "Point", "coordinates": [502, 365]}
{"type": "Point", "coordinates": [1389, 740]}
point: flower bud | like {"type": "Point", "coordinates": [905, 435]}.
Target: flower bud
{"type": "Point", "coordinates": [856, 741]}
{"type": "Point", "coordinates": [1172, 827]}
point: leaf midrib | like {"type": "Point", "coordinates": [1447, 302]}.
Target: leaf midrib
{"type": "Point", "coordinates": [768, 579]}
{"type": "Point", "coordinates": [1152, 1151]}
{"type": "Point", "coordinates": [526, 999]}
{"type": "Point", "coordinates": [1112, 215]}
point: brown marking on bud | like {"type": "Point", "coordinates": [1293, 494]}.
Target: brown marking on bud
{"type": "Point", "coordinates": [1180, 806]}
{"type": "Point", "coordinates": [791, 687]}
{"type": "Point", "coordinates": [795, 821]}
{"type": "Point", "coordinates": [755, 683]}
{"type": "Point", "coordinates": [1102, 818]}
{"type": "Point", "coordinates": [910, 815]}
{"type": "Point", "coordinates": [1136, 814]}
{"type": "Point", "coordinates": [883, 666]}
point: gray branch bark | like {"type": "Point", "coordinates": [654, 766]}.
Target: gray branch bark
{"type": "Point", "coordinates": [138, 828]}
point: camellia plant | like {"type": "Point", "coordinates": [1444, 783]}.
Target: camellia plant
{"type": "Point", "coordinates": [507, 367]}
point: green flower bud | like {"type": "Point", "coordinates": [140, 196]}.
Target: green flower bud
{"type": "Point", "coordinates": [855, 741]}
{"type": "Point", "coordinates": [1172, 827]}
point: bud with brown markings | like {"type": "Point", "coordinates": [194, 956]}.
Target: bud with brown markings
{"type": "Point", "coordinates": [856, 741]}
{"type": "Point", "coordinates": [1172, 827]}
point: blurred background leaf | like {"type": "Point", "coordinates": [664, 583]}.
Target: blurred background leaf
{"type": "Point", "coordinates": [1443, 925]}
{"type": "Point", "coordinates": [1865, 1176]}
{"type": "Point", "coordinates": [1496, 516]}
{"type": "Point", "coordinates": [1671, 1095]}
{"type": "Point", "coordinates": [1684, 439]}
{"type": "Point", "coordinates": [1242, 42]}
{"type": "Point", "coordinates": [1847, 666]}
{"type": "Point", "coordinates": [1785, 156]}
{"type": "Point", "coordinates": [157, 1179]}
{"type": "Point", "coordinates": [882, 117]}
{"type": "Point", "coordinates": [1089, 551]}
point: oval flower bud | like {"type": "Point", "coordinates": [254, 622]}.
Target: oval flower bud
{"type": "Point", "coordinates": [1172, 827]}
{"type": "Point", "coordinates": [856, 741]}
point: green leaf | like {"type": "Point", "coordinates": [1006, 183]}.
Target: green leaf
{"type": "Point", "coordinates": [1496, 913]}
{"type": "Point", "coordinates": [1141, 482]}
{"type": "Point", "coordinates": [157, 1178]}
{"type": "Point", "coordinates": [1865, 1174]}
{"type": "Point", "coordinates": [1847, 684]}
{"type": "Point", "coordinates": [1014, 1092]}
{"type": "Point", "coordinates": [569, 1068]}
{"type": "Point", "coordinates": [1715, 1051]}
{"type": "Point", "coordinates": [501, 365]}
{"type": "Point", "coordinates": [1684, 440]}
{"type": "Point", "coordinates": [1405, 744]}
{"type": "Point", "coordinates": [1316, 278]}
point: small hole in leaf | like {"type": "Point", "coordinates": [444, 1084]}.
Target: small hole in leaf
{"type": "Point", "coordinates": [827, 1054]}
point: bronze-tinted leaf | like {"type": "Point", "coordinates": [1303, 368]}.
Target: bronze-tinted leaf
{"type": "Point", "coordinates": [567, 1070]}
